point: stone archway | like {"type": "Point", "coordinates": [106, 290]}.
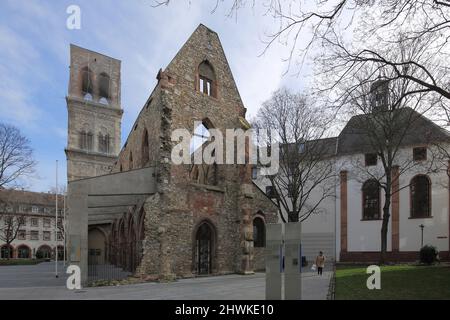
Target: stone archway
{"type": "Point", "coordinates": [204, 248]}
{"type": "Point", "coordinates": [6, 252]}
{"type": "Point", "coordinates": [44, 252]}
{"type": "Point", "coordinates": [23, 252]}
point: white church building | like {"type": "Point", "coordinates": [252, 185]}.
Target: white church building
{"type": "Point", "coordinates": [347, 227]}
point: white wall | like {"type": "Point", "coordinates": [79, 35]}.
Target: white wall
{"type": "Point", "coordinates": [366, 235]}
{"type": "Point", "coordinates": [435, 226]}
{"type": "Point", "coordinates": [363, 235]}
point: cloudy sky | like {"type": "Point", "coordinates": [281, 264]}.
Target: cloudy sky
{"type": "Point", "coordinates": [34, 60]}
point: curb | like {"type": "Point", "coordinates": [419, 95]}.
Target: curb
{"type": "Point", "coordinates": [332, 286]}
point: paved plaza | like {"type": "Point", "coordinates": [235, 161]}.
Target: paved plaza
{"type": "Point", "coordinates": [39, 282]}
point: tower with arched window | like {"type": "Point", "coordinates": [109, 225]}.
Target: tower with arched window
{"type": "Point", "coordinates": [94, 113]}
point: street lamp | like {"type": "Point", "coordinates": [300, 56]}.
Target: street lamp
{"type": "Point", "coordinates": [421, 230]}
{"type": "Point", "coordinates": [56, 222]}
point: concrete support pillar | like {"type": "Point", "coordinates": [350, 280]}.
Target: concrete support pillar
{"type": "Point", "coordinates": [448, 173]}
{"type": "Point", "coordinates": [343, 209]}
{"type": "Point", "coordinates": [77, 245]}
{"type": "Point", "coordinates": [395, 210]}
{"type": "Point", "coordinates": [293, 262]}
{"type": "Point", "coordinates": [274, 262]}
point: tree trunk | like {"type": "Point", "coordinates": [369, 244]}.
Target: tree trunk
{"type": "Point", "coordinates": [293, 217]}
{"type": "Point", "coordinates": [386, 215]}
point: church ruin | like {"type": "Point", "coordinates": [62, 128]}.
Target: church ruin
{"type": "Point", "coordinates": [132, 207]}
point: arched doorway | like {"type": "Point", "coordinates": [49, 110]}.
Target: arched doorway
{"type": "Point", "coordinates": [44, 252]}
{"type": "Point", "coordinates": [23, 252]}
{"type": "Point", "coordinates": [259, 233]}
{"type": "Point", "coordinates": [204, 248]}
{"type": "Point", "coordinates": [6, 252]}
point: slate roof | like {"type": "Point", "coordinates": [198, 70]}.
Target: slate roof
{"type": "Point", "coordinates": [354, 139]}
{"type": "Point", "coordinates": [28, 197]}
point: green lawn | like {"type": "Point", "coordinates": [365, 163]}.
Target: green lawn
{"type": "Point", "coordinates": [14, 262]}
{"type": "Point", "coordinates": [397, 282]}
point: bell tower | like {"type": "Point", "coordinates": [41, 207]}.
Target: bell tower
{"type": "Point", "coordinates": [94, 114]}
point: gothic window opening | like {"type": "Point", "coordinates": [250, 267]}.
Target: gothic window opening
{"type": "Point", "coordinates": [205, 85]}
{"type": "Point", "coordinates": [206, 79]}
{"type": "Point", "coordinates": [145, 148]}
{"type": "Point", "coordinates": [87, 88]}
{"type": "Point", "coordinates": [203, 173]}
{"type": "Point", "coordinates": [420, 188]}
{"type": "Point", "coordinates": [200, 137]}
{"type": "Point", "coordinates": [103, 143]}
{"type": "Point", "coordinates": [86, 138]}
{"type": "Point", "coordinates": [131, 160]}
{"type": "Point", "coordinates": [259, 233]}
{"type": "Point", "coordinates": [371, 200]}
{"type": "Point", "coordinates": [103, 88]}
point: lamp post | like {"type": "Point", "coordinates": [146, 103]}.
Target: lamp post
{"type": "Point", "coordinates": [56, 222]}
{"type": "Point", "coordinates": [421, 239]}
{"type": "Point", "coordinates": [63, 224]}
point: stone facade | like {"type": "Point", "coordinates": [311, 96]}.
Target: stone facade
{"type": "Point", "coordinates": [174, 215]}
{"type": "Point", "coordinates": [94, 114]}
{"type": "Point", "coordinates": [191, 225]}
{"type": "Point", "coordinates": [36, 237]}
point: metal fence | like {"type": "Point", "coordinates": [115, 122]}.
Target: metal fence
{"type": "Point", "coordinates": [117, 262]}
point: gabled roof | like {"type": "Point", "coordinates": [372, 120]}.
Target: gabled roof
{"type": "Point", "coordinates": [355, 139]}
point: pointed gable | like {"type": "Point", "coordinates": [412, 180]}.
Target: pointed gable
{"type": "Point", "coordinates": [202, 59]}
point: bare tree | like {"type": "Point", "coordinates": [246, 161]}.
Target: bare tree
{"type": "Point", "coordinates": [306, 27]}
{"type": "Point", "coordinates": [16, 156]}
{"type": "Point", "coordinates": [10, 225]}
{"type": "Point", "coordinates": [306, 173]}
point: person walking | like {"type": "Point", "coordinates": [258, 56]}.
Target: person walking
{"type": "Point", "coordinates": [320, 263]}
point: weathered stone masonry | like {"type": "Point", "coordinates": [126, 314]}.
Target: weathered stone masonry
{"type": "Point", "coordinates": [190, 225]}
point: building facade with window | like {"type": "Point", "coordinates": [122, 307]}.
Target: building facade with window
{"type": "Point", "coordinates": [30, 219]}
{"type": "Point", "coordinates": [348, 226]}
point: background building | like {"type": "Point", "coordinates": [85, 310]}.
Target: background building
{"type": "Point", "coordinates": [348, 226]}
{"type": "Point", "coordinates": [35, 213]}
